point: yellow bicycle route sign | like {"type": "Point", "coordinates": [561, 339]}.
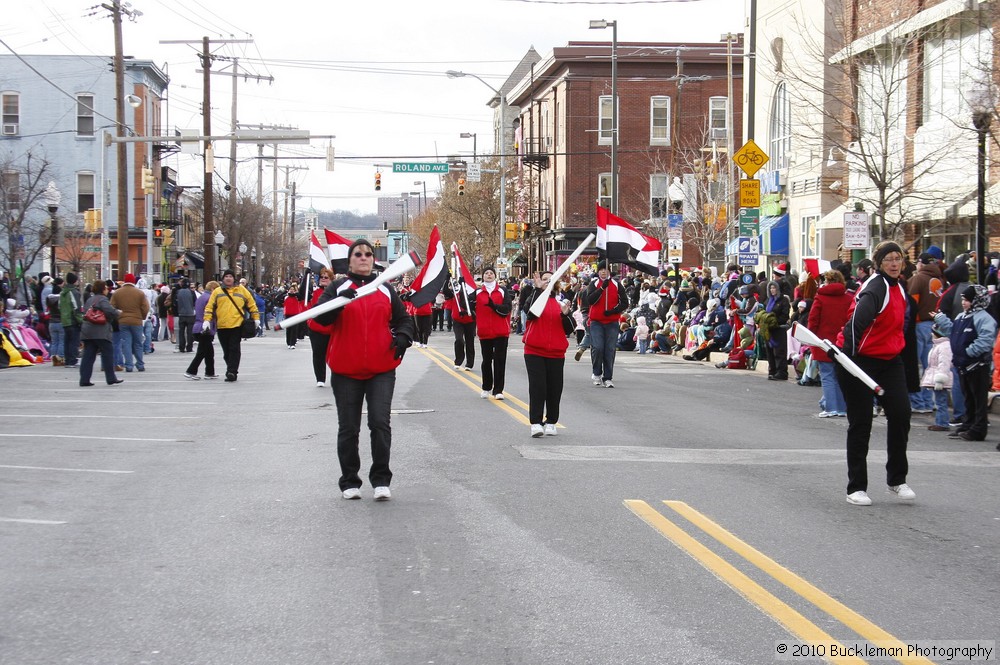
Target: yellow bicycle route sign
{"type": "Point", "coordinates": [750, 158]}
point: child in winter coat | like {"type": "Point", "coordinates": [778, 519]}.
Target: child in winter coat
{"type": "Point", "coordinates": [938, 374]}
{"type": "Point", "coordinates": [642, 334]}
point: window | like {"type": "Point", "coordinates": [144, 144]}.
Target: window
{"type": "Point", "coordinates": [717, 121]}
{"type": "Point", "coordinates": [11, 111]}
{"type": "Point", "coordinates": [10, 184]}
{"type": "Point", "coordinates": [952, 68]}
{"type": "Point", "coordinates": [604, 120]}
{"type": "Point", "coordinates": [84, 191]}
{"type": "Point", "coordinates": [604, 190]}
{"type": "Point", "coordinates": [810, 236]}
{"type": "Point", "coordinates": [659, 121]}
{"type": "Point", "coordinates": [84, 115]}
{"type": "Point", "coordinates": [659, 201]}
{"type": "Point", "coordinates": [881, 94]}
{"type": "Point", "coordinates": [780, 129]}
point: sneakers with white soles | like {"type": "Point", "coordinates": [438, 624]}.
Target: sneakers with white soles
{"type": "Point", "coordinates": [352, 493]}
{"type": "Point", "coordinates": [550, 429]}
{"type": "Point", "coordinates": [485, 394]}
{"type": "Point", "coordinates": [579, 353]}
{"type": "Point", "coordinates": [382, 493]}
{"type": "Point", "coordinates": [827, 414]}
{"type": "Point", "coordinates": [193, 377]}
{"type": "Point", "coordinates": [499, 396]}
{"type": "Point", "coordinates": [903, 492]}
{"type": "Point", "coordinates": [320, 384]}
{"type": "Point", "coordinates": [859, 498]}
{"type": "Point", "coordinates": [537, 431]}
{"type": "Point", "coordinates": [598, 381]}
{"type": "Point", "coordinates": [608, 384]}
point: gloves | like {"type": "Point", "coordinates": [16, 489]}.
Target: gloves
{"type": "Point", "coordinates": [406, 296]}
{"type": "Point", "coordinates": [609, 312]}
{"type": "Point", "coordinates": [492, 305]}
{"type": "Point", "coordinates": [349, 292]}
{"type": "Point", "coordinates": [603, 283]}
{"type": "Point", "coordinates": [400, 343]}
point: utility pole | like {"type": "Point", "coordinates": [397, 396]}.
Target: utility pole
{"type": "Point", "coordinates": [208, 243]}
{"type": "Point", "coordinates": [117, 10]}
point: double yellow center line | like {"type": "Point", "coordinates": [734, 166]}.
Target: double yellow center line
{"type": "Point", "coordinates": [794, 622]}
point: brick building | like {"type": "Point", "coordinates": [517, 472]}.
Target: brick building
{"type": "Point", "coordinates": [672, 117]}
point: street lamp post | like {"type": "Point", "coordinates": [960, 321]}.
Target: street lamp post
{"type": "Point", "coordinates": [502, 144]}
{"type": "Point", "coordinates": [52, 198]}
{"type": "Point", "coordinates": [243, 262]}
{"type": "Point", "coordinates": [981, 118]}
{"type": "Point", "coordinates": [219, 239]}
{"type": "Point", "coordinates": [600, 25]}
{"type": "Point", "coordinates": [470, 135]}
{"type": "Point", "coordinates": [253, 266]}
{"type": "Point", "coordinates": [424, 183]}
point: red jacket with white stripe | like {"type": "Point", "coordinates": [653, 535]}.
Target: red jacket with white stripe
{"type": "Point", "coordinates": [493, 322]}
{"type": "Point", "coordinates": [546, 335]}
{"type": "Point", "coordinates": [875, 322]}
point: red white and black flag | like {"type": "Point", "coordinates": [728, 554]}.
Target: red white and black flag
{"type": "Point", "coordinates": [464, 281]}
{"type": "Point", "coordinates": [336, 249]}
{"type": "Point", "coordinates": [433, 274]}
{"type": "Point", "coordinates": [620, 242]}
{"type": "Point", "coordinates": [317, 257]}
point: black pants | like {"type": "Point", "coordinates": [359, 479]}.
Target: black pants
{"type": "Point", "coordinates": [465, 343]}
{"type": "Point", "coordinates": [71, 344]}
{"type": "Point", "coordinates": [423, 328]}
{"type": "Point", "coordinates": [891, 376]}
{"type": "Point", "coordinates": [206, 352]}
{"type": "Point", "coordinates": [292, 334]}
{"type": "Point", "coordinates": [494, 365]}
{"type": "Point", "coordinates": [545, 386]}
{"type": "Point", "coordinates": [975, 390]}
{"type": "Point", "coordinates": [437, 319]}
{"type": "Point", "coordinates": [319, 343]}
{"type": "Point", "coordinates": [229, 341]}
{"type": "Point", "coordinates": [91, 347]}
{"type": "Point", "coordinates": [350, 395]}
{"type": "Point", "coordinates": [777, 355]}
{"type": "Point", "coordinates": [713, 345]}
{"type": "Point", "coordinates": [185, 333]}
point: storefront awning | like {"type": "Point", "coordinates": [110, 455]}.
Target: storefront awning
{"type": "Point", "coordinates": [835, 219]}
{"type": "Point", "coordinates": [774, 235]}
{"type": "Point", "coordinates": [189, 260]}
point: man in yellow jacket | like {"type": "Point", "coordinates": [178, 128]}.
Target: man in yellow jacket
{"type": "Point", "coordinates": [226, 306]}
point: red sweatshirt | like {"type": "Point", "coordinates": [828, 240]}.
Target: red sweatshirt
{"type": "Point", "coordinates": [546, 335]}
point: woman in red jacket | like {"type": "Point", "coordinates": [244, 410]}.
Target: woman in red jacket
{"type": "Point", "coordinates": [319, 335]}
{"type": "Point", "coordinates": [827, 318]}
{"type": "Point", "coordinates": [545, 344]}
{"type": "Point", "coordinates": [493, 305]}
{"type": "Point", "coordinates": [293, 306]}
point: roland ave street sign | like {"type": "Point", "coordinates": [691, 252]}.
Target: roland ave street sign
{"type": "Point", "coordinates": [419, 167]}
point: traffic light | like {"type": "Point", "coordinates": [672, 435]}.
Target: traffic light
{"type": "Point", "coordinates": [148, 181]}
{"type": "Point", "coordinates": [158, 237]}
{"type": "Point", "coordinates": [378, 181]}
{"type": "Point", "coordinates": [525, 228]}
{"type": "Point", "coordinates": [699, 166]}
{"type": "Point", "coordinates": [168, 237]}
{"type": "Point", "coordinates": [92, 221]}
{"type": "Point", "coordinates": [712, 169]}
{"type": "Point", "coordinates": [510, 230]}
{"type": "Point", "coordinates": [461, 186]}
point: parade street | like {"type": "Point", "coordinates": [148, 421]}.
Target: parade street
{"type": "Point", "coordinates": [689, 515]}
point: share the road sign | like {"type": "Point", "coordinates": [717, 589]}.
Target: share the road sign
{"type": "Point", "coordinates": [419, 167]}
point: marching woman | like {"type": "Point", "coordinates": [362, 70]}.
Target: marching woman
{"type": "Point", "coordinates": [319, 335]}
{"type": "Point", "coordinates": [422, 316]}
{"type": "Point", "coordinates": [493, 305]}
{"type": "Point", "coordinates": [367, 341]}
{"type": "Point", "coordinates": [545, 344]}
{"type": "Point", "coordinates": [463, 318]}
{"type": "Point", "coordinates": [873, 339]}
{"type": "Point", "coordinates": [292, 307]}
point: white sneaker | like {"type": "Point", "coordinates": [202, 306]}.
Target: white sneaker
{"type": "Point", "coordinates": [550, 429]}
{"type": "Point", "coordinates": [609, 384]}
{"type": "Point", "coordinates": [485, 394]}
{"type": "Point", "coordinates": [320, 384]}
{"type": "Point", "coordinates": [903, 492]}
{"type": "Point", "coordinates": [598, 381]}
{"type": "Point", "coordinates": [537, 431]}
{"type": "Point", "coordinates": [467, 369]}
{"type": "Point", "coordinates": [382, 493]}
{"type": "Point", "coordinates": [458, 367]}
{"type": "Point", "coordinates": [193, 377]}
{"type": "Point", "coordinates": [352, 493]}
{"type": "Point", "coordinates": [859, 498]}
{"type": "Point", "coordinates": [499, 397]}
{"type": "Point", "coordinates": [827, 414]}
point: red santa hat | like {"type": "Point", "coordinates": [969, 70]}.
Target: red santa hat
{"type": "Point", "coordinates": [781, 269]}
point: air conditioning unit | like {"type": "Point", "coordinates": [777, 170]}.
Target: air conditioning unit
{"type": "Point", "coordinates": [718, 133]}
{"type": "Point", "coordinates": [10, 129]}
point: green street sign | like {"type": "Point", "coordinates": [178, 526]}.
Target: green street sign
{"type": "Point", "coordinates": [749, 222]}
{"type": "Point", "coordinates": [419, 167]}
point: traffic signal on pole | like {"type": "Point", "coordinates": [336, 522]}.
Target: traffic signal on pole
{"type": "Point", "coordinates": [461, 186]}
{"type": "Point", "coordinates": [510, 231]}
{"type": "Point", "coordinates": [378, 181]}
{"type": "Point", "coordinates": [158, 237]}
{"type": "Point", "coordinates": [699, 166]}
{"type": "Point", "coordinates": [712, 169]}
{"type": "Point", "coordinates": [148, 181]}
{"type": "Point", "coordinates": [168, 237]}
{"type": "Point", "coordinates": [92, 221]}
{"type": "Point", "coordinates": [525, 228]}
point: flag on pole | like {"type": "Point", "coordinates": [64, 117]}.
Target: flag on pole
{"type": "Point", "coordinates": [336, 249]}
{"type": "Point", "coordinates": [433, 274]}
{"type": "Point", "coordinates": [317, 257]}
{"type": "Point", "coordinates": [620, 242]}
{"type": "Point", "coordinates": [464, 276]}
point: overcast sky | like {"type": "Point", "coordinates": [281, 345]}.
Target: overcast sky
{"type": "Point", "coordinates": [371, 73]}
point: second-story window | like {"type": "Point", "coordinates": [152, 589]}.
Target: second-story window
{"type": "Point", "coordinates": [11, 110]}
{"type": "Point", "coordinates": [604, 190]}
{"type": "Point", "coordinates": [659, 121]}
{"type": "Point", "coordinates": [10, 188]}
{"type": "Point", "coordinates": [604, 120]}
{"type": "Point", "coordinates": [85, 115]}
{"type": "Point", "coordinates": [780, 129]}
{"type": "Point", "coordinates": [717, 121]}
{"type": "Point", "coordinates": [659, 201]}
{"type": "Point", "coordinates": [84, 191]}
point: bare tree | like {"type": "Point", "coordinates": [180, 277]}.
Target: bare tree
{"type": "Point", "coordinates": [23, 217]}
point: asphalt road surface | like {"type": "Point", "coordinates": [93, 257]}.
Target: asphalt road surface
{"type": "Point", "coordinates": [689, 515]}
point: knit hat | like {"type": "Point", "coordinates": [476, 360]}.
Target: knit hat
{"type": "Point", "coordinates": [685, 284]}
{"type": "Point", "coordinates": [71, 278]}
{"type": "Point", "coordinates": [884, 249]}
{"type": "Point", "coordinates": [47, 279]}
{"type": "Point", "coordinates": [164, 289]}
{"type": "Point", "coordinates": [602, 265]}
{"type": "Point", "coordinates": [129, 278]}
{"type": "Point", "coordinates": [977, 295]}
{"type": "Point", "coordinates": [781, 269]}
{"type": "Point", "coordinates": [936, 252]}
{"type": "Point", "coordinates": [229, 271]}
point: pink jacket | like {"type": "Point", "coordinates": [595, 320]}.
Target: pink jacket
{"type": "Point", "coordinates": [938, 366]}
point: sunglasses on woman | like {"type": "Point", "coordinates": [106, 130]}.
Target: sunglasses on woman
{"type": "Point", "coordinates": [358, 255]}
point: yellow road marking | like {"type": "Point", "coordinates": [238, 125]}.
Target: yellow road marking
{"type": "Point", "coordinates": [834, 608]}
{"type": "Point", "coordinates": [794, 622]}
{"type": "Point", "coordinates": [436, 356]}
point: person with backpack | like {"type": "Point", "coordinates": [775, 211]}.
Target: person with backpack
{"type": "Point", "coordinates": [71, 316]}
{"type": "Point", "coordinates": [226, 306]}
